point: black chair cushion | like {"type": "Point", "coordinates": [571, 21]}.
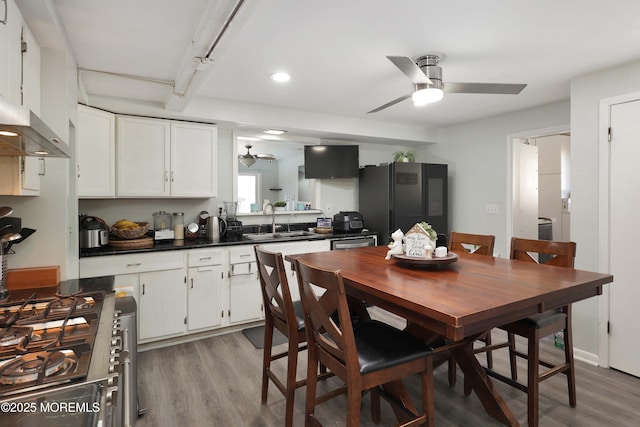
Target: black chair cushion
{"type": "Point", "coordinates": [543, 319]}
{"type": "Point", "coordinates": [297, 309]}
{"type": "Point", "coordinates": [382, 346]}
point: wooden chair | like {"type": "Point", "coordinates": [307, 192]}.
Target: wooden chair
{"type": "Point", "coordinates": [536, 327]}
{"type": "Point", "coordinates": [283, 314]}
{"type": "Point", "coordinates": [478, 244]}
{"type": "Point", "coordinates": [364, 355]}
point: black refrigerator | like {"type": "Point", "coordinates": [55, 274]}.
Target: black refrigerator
{"type": "Point", "coordinates": [398, 195]}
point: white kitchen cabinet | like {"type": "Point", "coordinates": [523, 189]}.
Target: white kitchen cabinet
{"type": "Point", "coordinates": [142, 162]}
{"type": "Point", "coordinates": [194, 156]}
{"type": "Point", "coordinates": [205, 283]}
{"type": "Point", "coordinates": [10, 54]}
{"type": "Point", "coordinates": [298, 247]}
{"type": "Point", "coordinates": [245, 297]}
{"type": "Point", "coordinates": [161, 158]}
{"type": "Point", "coordinates": [162, 304]}
{"type": "Point", "coordinates": [20, 83]}
{"type": "Point", "coordinates": [96, 151]}
{"type": "Point", "coordinates": [159, 283]}
{"type": "Point", "coordinates": [20, 176]}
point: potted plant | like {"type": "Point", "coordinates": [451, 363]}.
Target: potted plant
{"type": "Point", "coordinates": [401, 156]}
{"type": "Point", "coordinates": [279, 205]}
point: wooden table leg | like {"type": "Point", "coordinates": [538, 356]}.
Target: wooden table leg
{"type": "Point", "coordinates": [482, 385]}
{"type": "Point", "coordinates": [399, 393]}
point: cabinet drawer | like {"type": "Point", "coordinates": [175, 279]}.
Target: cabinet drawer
{"type": "Point", "coordinates": [205, 257]}
{"type": "Point", "coordinates": [242, 254]}
{"type": "Point", "coordinates": [126, 264]}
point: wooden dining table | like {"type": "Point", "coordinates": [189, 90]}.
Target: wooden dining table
{"type": "Point", "coordinates": [460, 300]}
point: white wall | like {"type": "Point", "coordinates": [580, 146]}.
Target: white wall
{"type": "Point", "coordinates": [476, 153]}
{"type": "Point", "coordinates": [586, 93]}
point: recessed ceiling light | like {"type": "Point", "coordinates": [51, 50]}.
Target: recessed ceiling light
{"type": "Point", "coordinates": [281, 77]}
{"type": "Point", "coordinates": [274, 131]}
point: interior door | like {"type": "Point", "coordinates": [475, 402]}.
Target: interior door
{"type": "Point", "coordinates": [525, 186]}
{"type": "Point", "coordinates": [624, 204]}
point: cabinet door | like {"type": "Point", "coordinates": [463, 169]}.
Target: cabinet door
{"type": "Point", "coordinates": [20, 176]}
{"type": "Point", "coordinates": [205, 297]}
{"type": "Point", "coordinates": [4, 54]}
{"type": "Point", "coordinates": [245, 298]}
{"type": "Point", "coordinates": [96, 153]}
{"type": "Point", "coordinates": [194, 167]}
{"type": "Point", "coordinates": [142, 150]}
{"type": "Point", "coordinates": [163, 304]}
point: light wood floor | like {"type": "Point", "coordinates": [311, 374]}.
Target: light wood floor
{"type": "Point", "coordinates": [216, 382]}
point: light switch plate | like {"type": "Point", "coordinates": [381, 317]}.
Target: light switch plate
{"type": "Point", "coordinates": [492, 209]}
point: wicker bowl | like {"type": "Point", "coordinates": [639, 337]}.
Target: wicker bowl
{"type": "Point", "coordinates": [131, 233]}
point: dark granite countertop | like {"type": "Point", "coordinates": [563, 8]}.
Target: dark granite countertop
{"type": "Point", "coordinates": [172, 245]}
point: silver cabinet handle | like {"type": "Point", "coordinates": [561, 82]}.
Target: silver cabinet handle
{"type": "Point", "coordinates": [192, 283]}
{"type": "Point", "coordinates": [135, 264]}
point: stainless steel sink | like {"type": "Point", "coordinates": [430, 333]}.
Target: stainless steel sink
{"type": "Point", "coordinates": [278, 235]}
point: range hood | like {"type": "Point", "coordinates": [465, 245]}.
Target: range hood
{"type": "Point", "coordinates": [22, 133]}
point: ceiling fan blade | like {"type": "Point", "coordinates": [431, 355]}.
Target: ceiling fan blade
{"type": "Point", "coordinates": [389, 104]}
{"type": "Point", "coordinates": [266, 156]}
{"type": "Point", "coordinates": [410, 69]}
{"type": "Point", "coordinates": [496, 88]}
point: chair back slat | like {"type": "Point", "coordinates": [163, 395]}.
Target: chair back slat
{"type": "Point", "coordinates": [563, 253]}
{"type": "Point", "coordinates": [320, 306]}
{"type": "Point", "coordinates": [276, 294]}
{"type": "Point", "coordinates": [482, 243]}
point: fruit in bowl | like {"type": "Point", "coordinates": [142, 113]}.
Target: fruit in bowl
{"type": "Point", "coordinates": [125, 229]}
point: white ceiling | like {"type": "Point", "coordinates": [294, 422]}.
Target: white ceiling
{"type": "Point", "coordinates": [335, 51]}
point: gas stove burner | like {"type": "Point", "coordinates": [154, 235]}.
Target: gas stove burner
{"type": "Point", "coordinates": [37, 366]}
{"type": "Point", "coordinates": [68, 304]}
{"type": "Point", "coordinates": [13, 336]}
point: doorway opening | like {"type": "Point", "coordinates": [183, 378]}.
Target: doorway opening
{"type": "Point", "coordinates": [539, 187]}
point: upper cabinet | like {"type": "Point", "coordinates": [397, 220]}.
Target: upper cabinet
{"type": "Point", "coordinates": [20, 83]}
{"type": "Point", "coordinates": [194, 161]}
{"type": "Point", "coordinates": [161, 158]}
{"type": "Point", "coordinates": [96, 153]}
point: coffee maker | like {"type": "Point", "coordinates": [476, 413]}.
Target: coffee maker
{"type": "Point", "coordinates": [234, 226]}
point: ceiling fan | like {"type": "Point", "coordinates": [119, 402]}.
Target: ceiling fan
{"type": "Point", "coordinates": [249, 159]}
{"type": "Point", "coordinates": [426, 76]}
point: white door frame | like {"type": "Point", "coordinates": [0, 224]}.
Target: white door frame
{"type": "Point", "coordinates": [604, 236]}
{"type": "Point", "coordinates": [511, 140]}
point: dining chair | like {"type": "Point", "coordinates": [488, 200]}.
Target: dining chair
{"type": "Point", "coordinates": [534, 328]}
{"type": "Point", "coordinates": [477, 244]}
{"type": "Point", "coordinates": [284, 315]}
{"type": "Point", "coordinates": [365, 354]}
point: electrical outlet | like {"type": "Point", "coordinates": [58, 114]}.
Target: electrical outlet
{"type": "Point", "coordinates": [491, 209]}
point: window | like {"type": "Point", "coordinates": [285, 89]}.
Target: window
{"type": "Point", "coordinates": [248, 190]}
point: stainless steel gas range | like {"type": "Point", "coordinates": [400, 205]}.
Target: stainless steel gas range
{"type": "Point", "coordinates": [62, 361]}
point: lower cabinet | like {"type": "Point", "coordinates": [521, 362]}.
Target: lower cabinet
{"type": "Point", "coordinates": [162, 304]}
{"type": "Point", "coordinates": [205, 285]}
{"type": "Point", "coordinates": [245, 297]}
{"type": "Point", "coordinates": [182, 292]}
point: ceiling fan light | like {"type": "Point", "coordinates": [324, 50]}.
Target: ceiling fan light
{"type": "Point", "coordinates": [248, 160]}
{"type": "Point", "coordinates": [427, 96]}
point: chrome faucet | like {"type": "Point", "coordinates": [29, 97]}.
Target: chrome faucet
{"type": "Point", "coordinates": [273, 216]}
{"type": "Point", "coordinates": [289, 222]}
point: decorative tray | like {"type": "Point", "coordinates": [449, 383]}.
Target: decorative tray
{"type": "Point", "coordinates": [451, 257]}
